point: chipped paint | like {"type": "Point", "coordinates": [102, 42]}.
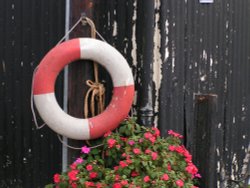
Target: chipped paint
{"type": "Point", "coordinates": [134, 45]}
{"type": "Point", "coordinates": [157, 62]}
{"type": "Point", "coordinates": [166, 41]}
{"type": "Point", "coordinates": [114, 29]}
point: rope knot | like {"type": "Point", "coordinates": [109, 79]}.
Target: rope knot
{"type": "Point", "coordinates": [96, 92]}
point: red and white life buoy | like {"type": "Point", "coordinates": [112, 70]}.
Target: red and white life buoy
{"type": "Point", "coordinates": [54, 62]}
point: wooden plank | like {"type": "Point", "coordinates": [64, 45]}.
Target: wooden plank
{"type": "Point", "coordinates": [204, 138]}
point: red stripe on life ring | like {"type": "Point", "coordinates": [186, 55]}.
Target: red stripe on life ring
{"type": "Point", "coordinates": [108, 120]}
{"type": "Point", "coordinates": [53, 63]}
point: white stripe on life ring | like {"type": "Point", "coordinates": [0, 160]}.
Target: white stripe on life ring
{"type": "Point", "coordinates": [53, 63]}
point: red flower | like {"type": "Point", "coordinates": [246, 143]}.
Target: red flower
{"type": "Point", "coordinates": [152, 139]}
{"type": "Point", "coordinates": [107, 134]}
{"type": "Point", "coordinates": [146, 179]}
{"type": "Point", "coordinates": [179, 149]}
{"type": "Point", "coordinates": [56, 178]}
{"type": "Point", "coordinates": [117, 185]}
{"type": "Point", "coordinates": [154, 155]}
{"type": "Point", "coordinates": [169, 167]}
{"type": "Point", "coordinates": [157, 132]}
{"type": "Point", "coordinates": [129, 161]}
{"type": "Point", "coordinates": [99, 185]}
{"type": "Point", "coordinates": [165, 177]}
{"type": "Point", "coordinates": [89, 167]}
{"type": "Point", "coordinates": [136, 151]}
{"type": "Point", "coordinates": [134, 173]}
{"type": "Point", "coordinates": [148, 135]}
{"type": "Point", "coordinates": [73, 166]}
{"type": "Point", "coordinates": [117, 177]}
{"type": "Point", "coordinates": [191, 169]}
{"type": "Point", "coordinates": [123, 164]}
{"type": "Point", "coordinates": [93, 175]}
{"type": "Point", "coordinates": [171, 148]}
{"type": "Point", "coordinates": [89, 184]}
{"type": "Point", "coordinates": [116, 167]}
{"type": "Point", "coordinates": [179, 183]}
{"type": "Point", "coordinates": [72, 175]}
{"type": "Point", "coordinates": [124, 182]}
{"type": "Point", "coordinates": [171, 132]}
{"type": "Point", "coordinates": [111, 142]}
{"type": "Point", "coordinates": [73, 185]}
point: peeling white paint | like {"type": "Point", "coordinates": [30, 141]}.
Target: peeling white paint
{"type": "Point", "coordinates": [114, 29]}
{"type": "Point", "coordinates": [218, 166]}
{"type": "Point", "coordinates": [219, 125]}
{"type": "Point", "coordinates": [157, 63]}
{"type": "Point", "coordinates": [235, 167]}
{"type": "Point", "coordinates": [217, 151]}
{"type": "Point", "coordinates": [134, 44]}
{"type": "Point", "coordinates": [204, 55]}
{"type": "Point", "coordinates": [166, 41]}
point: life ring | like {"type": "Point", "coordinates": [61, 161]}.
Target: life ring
{"type": "Point", "coordinates": [54, 62]}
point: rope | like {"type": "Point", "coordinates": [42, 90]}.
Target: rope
{"type": "Point", "coordinates": [96, 89]}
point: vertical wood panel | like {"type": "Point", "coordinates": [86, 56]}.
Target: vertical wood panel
{"type": "Point", "coordinates": [29, 29]}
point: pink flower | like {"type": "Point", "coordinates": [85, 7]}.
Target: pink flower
{"type": "Point", "coordinates": [89, 167]}
{"type": "Point", "coordinates": [116, 168]}
{"type": "Point", "coordinates": [73, 166]}
{"type": "Point", "coordinates": [111, 142]}
{"type": "Point", "coordinates": [165, 177]}
{"type": "Point", "coordinates": [73, 185]}
{"type": "Point", "coordinates": [152, 139]}
{"type": "Point", "coordinates": [123, 164]}
{"type": "Point", "coordinates": [157, 132]}
{"type": "Point", "coordinates": [72, 175]}
{"type": "Point", "coordinates": [148, 135]}
{"type": "Point", "coordinates": [117, 185]}
{"type": "Point", "coordinates": [89, 184]}
{"type": "Point", "coordinates": [131, 142]}
{"type": "Point", "coordinates": [107, 134]}
{"type": "Point", "coordinates": [134, 174]}
{"type": "Point", "coordinates": [93, 175]}
{"type": "Point", "coordinates": [169, 167]}
{"type": "Point", "coordinates": [124, 182]}
{"type": "Point", "coordinates": [136, 151]}
{"type": "Point", "coordinates": [191, 169]}
{"type": "Point", "coordinates": [179, 149]}
{"type": "Point", "coordinates": [78, 160]}
{"type": "Point", "coordinates": [141, 140]}
{"type": "Point", "coordinates": [171, 148]}
{"type": "Point", "coordinates": [56, 178]}
{"type": "Point", "coordinates": [197, 175]}
{"type": "Point", "coordinates": [117, 177]}
{"type": "Point", "coordinates": [171, 132]}
{"type": "Point", "coordinates": [146, 179]}
{"type": "Point", "coordinates": [85, 149]}
{"type": "Point", "coordinates": [147, 151]}
{"type": "Point", "coordinates": [179, 183]}
{"type": "Point", "coordinates": [154, 155]}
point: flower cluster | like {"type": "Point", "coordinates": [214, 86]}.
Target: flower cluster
{"type": "Point", "coordinates": [132, 157]}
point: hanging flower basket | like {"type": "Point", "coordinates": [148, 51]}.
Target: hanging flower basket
{"type": "Point", "coordinates": [132, 157]}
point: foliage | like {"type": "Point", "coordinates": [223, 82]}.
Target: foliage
{"type": "Point", "coordinates": [132, 157]}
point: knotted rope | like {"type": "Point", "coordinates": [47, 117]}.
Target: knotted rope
{"type": "Point", "coordinates": [96, 91]}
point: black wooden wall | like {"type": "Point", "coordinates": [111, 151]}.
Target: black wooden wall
{"type": "Point", "coordinates": [28, 29]}
{"type": "Point", "coordinates": [191, 63]}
